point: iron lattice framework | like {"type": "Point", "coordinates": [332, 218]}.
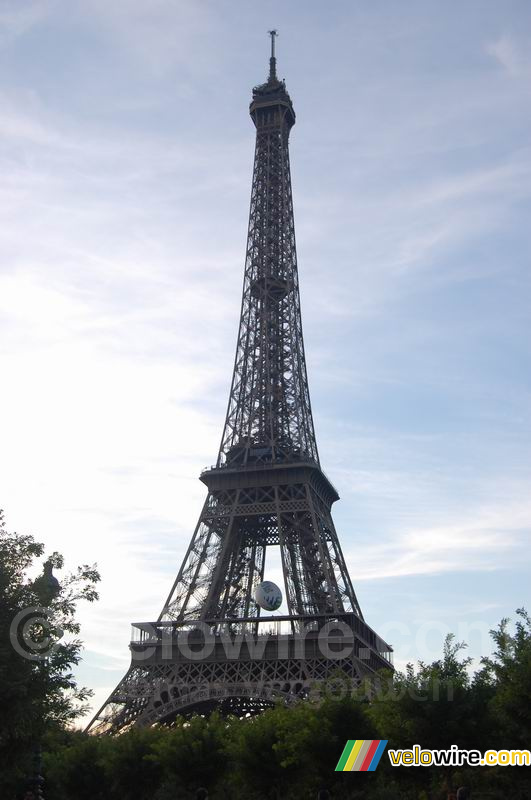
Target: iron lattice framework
{"type": "Point", "coordinates": [266, 490]}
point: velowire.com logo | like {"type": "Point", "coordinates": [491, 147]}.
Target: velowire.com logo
{"type": "Point", "coordinates": [361, 755]}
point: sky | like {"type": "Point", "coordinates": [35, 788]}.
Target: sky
{"type": "Point", "coordinates": [125, 169]}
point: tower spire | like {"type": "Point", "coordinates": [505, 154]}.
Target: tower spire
{"type": "Point", "coordinates": [272, 60]}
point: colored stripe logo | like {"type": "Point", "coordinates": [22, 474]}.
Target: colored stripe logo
{"type": "Point", "coordinates": [361, 755]}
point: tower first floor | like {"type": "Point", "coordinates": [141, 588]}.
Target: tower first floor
{"type": "Point", "coordinates": [240, 669]}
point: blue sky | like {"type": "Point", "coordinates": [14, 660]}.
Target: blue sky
{"type": "Point", "coordinates": [126, 156]}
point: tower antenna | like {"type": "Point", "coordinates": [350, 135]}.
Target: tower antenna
{"type": "Point", "coordinates": [272, 60]}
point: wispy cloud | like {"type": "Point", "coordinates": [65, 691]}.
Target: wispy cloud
{"type": "Point", "coordinates": [16, 18]}
{"type": "Point", "coordinates": [486, 539]}
{"type": "Point", "coordinates": [510, 55]}
{"type": "Point", "coordinates": [162, 35]}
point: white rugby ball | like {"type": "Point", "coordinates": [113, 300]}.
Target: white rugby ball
{"type": "Point", "coordinates": [268, 596]}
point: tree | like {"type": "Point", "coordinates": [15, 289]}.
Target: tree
{"type": "Point", "coordinates": [74, 765]}
{"type": "Point", "coordinates": [510, 670]}
{"type": "Point", "coordinates": [193, 753]}
{"type": "Point", "coordinates": [38, 648]}
{"type": "Point", "coordinates": [436, 705]}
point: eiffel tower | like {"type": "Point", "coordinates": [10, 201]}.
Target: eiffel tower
{"type": "Point", "coordinates": [212, 646]}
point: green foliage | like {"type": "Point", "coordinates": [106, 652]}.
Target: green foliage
{"type": "Point", "coordinates": [36, 694]}
{"type": "Point", "coordinates": [435, 705]}
{"type": "Point", "coordinates": [194, 753]}
{"type": "Point", "coordinates": [509, 670]}
{"type": "Point", "coordinates": [75, 768]}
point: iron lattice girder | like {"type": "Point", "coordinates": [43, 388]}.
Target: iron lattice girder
{"type": "Point", "coordinates": [247, 510]}
{"type": "Point", "coordinates": [267, 490]}
{"type": "Point", "coordinates": [269, 405]}
{"type": "Point", "coordinates": [249, 670]}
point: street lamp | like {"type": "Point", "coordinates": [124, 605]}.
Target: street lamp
{"type": "Point", "coordinates": [46, 587]}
